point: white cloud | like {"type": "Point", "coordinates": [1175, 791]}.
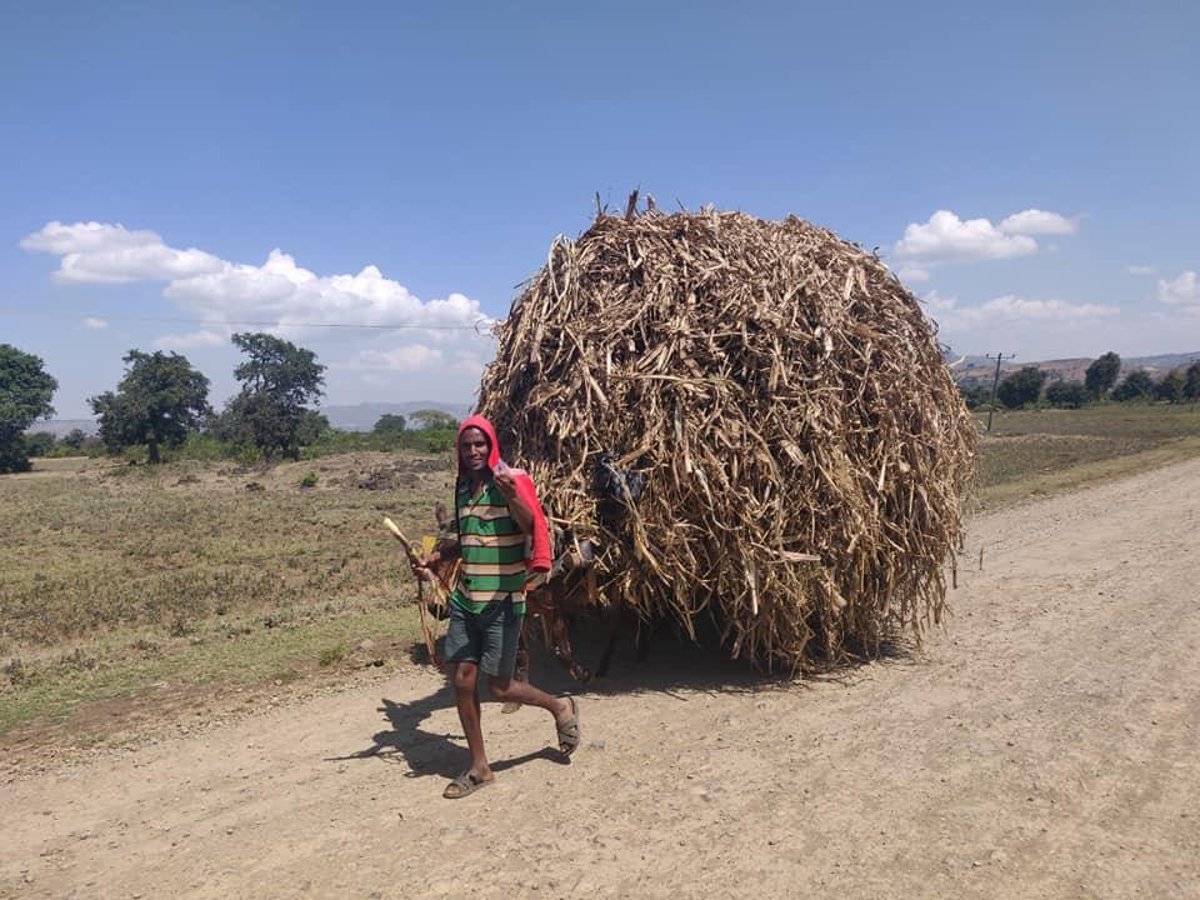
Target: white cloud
{"type": "Point", "coordinates": [61, 240]}
{"type": "Point", "coordinates": [934, 300]}
{"type": "Point", "coordinates": [418, 358]}
{"type": "Point", "coordinates": [1019, 309]}
{"type": "Point", "coordinates": [1181, 291]}
{"type": "Point", "coordinates": [279, 292]}
{"type": "Point", "coordinates": [423, 349]}
{"type": "Point", "coordinates": [94, 324]}
{"type": "Point", "coordinates": [99, 253]}
{"type": "Point", "coordinates": [913, 274]}
{"type": "Point", "coordinates": [1009, 309]}
{"type": "Point", "coordinates": [1037, 222]}
{"type": "Point", "coordinates": [946, 239]}
{"type": "Point", "coordinates": [283, 292]}
{"type": "Point", "coordinates": [282, 295]}
{"type": "Point", "coordinates": [204, 338]}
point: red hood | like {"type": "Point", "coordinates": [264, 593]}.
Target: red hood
{"type": "Point", "coordinates": [489, 432]}
{"type": "Point", "coordinates": [538, 556]}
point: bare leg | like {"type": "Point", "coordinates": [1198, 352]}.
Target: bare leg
{"type": "Point", "coordinates": [465, 677]}
{"type": "Point", "coordinates": [522, 670]}
{"type": "Point", "coordinates": [509, 690]}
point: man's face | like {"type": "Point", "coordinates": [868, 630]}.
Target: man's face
{"type": "Point", "coordinates": [473, 450]}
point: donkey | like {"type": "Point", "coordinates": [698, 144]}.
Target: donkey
{"type": "Point", "coordinates": [554, 598]}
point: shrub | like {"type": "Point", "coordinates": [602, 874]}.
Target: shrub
{"type": "Point", "coordinates": [1138, 385]}
{"type": "Point", "coordinates": [1172, 387]}
{"type": "Point", "coordinates": [1021, 387]}
{"type": "Point", "coordinates": [40, 443]}
{"type": "Point", "coordinates": [330, 655]}
{"type": "Point", "coordinates": [1068, 395]}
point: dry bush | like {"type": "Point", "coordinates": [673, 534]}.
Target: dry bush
{"type": "Point", "coordinates": [784, 397]}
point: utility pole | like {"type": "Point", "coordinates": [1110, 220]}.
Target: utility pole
{"type": "Point", "coordinates": [996, 383]}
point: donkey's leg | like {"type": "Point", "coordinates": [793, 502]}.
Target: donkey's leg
{"type": "Point", "coordinates": [615, 617]}
{"type": "Point", "coordinates": [561, 641]}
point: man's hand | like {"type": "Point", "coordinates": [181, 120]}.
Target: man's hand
{"type": "Point", "coordinates": [507, 485]}
{"type": "Point", "coordinates": [423, 567]}
{"type": "Point", "coordinates": [521, 514]}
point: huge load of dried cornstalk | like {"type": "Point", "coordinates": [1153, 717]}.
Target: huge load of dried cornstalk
{"type": "Point", "coordinates": [804, 449]}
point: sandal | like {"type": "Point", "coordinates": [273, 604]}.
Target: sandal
{"type": "Point", "coordinates": [466, 783]}
{"type": "Point", "coordinates": [568, 731]}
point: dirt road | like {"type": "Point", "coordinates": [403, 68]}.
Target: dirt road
{"type": "Point", "coordinates": [1046, 743]}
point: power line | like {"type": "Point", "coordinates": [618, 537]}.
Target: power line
{"type": "Point", "coordinates": [480, 323]}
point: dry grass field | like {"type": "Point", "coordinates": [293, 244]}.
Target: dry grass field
{"type": "Point", "coordinates": [119, 581]}
{"type": "Point", "coordinates": [129, 589]}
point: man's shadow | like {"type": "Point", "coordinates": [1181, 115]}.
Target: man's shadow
{"type": "Point", "coordinates": [674, 665]}
{"type": "Point", "coordinates": [426, 752]}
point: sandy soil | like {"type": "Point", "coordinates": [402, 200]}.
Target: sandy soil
{"type": "Point", "coordinates": [1044, 744]}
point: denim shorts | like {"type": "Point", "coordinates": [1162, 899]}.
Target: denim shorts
{"type": "Point", "coordinates": [488, 638]}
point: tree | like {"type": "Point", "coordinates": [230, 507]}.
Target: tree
{"type": "Point", "coordinates": [1172, 386]}
{"type": "Point", "coordinates": [433, 419]}
{"type": "Point", "coordinates": [75, 439]}
{"type": "Point", "coordinates": [1068, 394]}
{"type": "Point", "coordinates": [1102, 374]}
{"type": "Point", "coordinates": [390, 424]}
{"type": "Point", "coordinates": [158, 402]}
{"type": "Point", "coordinates": [25, 394]}
{"type": "Point", "coordinates": [40, 443]}
{"type": "Point", "coordinates": [974, 393]}
{"type": "Point", "coordinates": [1021, 387]}
{"type": "Point", "coordinates": [313, 426]}
{"type": "Point", "coordinates": [1191, 382]}
{"type": "Point", "coordinates": [1138, 385]}
{"type": "Point", "coordinates": [278, 379]}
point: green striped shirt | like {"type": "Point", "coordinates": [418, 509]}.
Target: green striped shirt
{"type": "Point", "coordinates": [493, 550]}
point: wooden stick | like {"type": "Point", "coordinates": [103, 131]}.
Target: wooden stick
{"type": "Point", "coordinates": [438, 588]}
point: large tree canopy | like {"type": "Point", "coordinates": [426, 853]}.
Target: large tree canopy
{"type": "Point", "coordinates": [1137, 385]}
{"type": "Point", "coordinates": [1172, 387]}
{"type": "Point", "coordinates": [25, 394]}
{"type": "Point", "coordinates": [1102, 374]}
{"type": "Point", "coordinates": [1067, 394]}
{"type": "Point", "coordinates": [390, 423]}
{"type": "Point", "coordinates": [1191, 382]}
{"type": "Point", "coordinates": [160, 399]}
{"type": "Point", "coordinates": [432, 418]}
{"type": "Point", "coordinates": [278, 380]}
{"type": "Point", "coordinates": [1021, 387]}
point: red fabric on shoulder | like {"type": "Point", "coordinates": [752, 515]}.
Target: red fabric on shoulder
{"type": "Point", "coordinates": [540, 555]}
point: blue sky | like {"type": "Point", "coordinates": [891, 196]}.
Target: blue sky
{"type": "Point", "coordinates": [1030, 169]}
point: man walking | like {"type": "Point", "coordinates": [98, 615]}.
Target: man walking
{"type": "Point", "coordinates": [497, 517]}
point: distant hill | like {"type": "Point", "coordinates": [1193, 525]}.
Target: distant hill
{"type": "Point", "coordinates": [63, 427]}
{"type": "Point", "coordinates": [976, 369]}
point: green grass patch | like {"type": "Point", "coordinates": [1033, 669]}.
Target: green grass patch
{"type": "Point", "coordinates": [246, 655]}
{"type": "Point", "coordinates": [1034, 453]}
